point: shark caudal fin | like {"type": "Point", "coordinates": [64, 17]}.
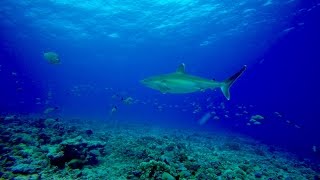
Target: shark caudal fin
{"type": "Point", "coordinates": [228, 83]}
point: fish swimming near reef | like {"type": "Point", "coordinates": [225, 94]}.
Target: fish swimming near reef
{"type": "Point", "coordinates": [52, 57]}
{"type": "Point", "coordinates": [180, 82]}
{"type": "Point", "coordinates": [50, 110]}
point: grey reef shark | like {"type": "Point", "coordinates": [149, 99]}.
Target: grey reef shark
{"type": "Point", "coordinates": [179, 82]}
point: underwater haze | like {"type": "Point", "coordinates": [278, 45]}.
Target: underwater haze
{"type": "Point", "coordinates": [139, 89]}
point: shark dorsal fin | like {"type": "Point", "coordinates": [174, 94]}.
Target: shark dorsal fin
{"type": "Point", "coordinates": [181, 68]}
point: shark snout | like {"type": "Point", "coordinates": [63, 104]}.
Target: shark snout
{"type": "Point", "coordinates": [144, 81]}
{"type": "Point", "coordinates": [147, 82]}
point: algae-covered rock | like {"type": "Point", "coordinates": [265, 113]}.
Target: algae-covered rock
{"type": "Point", "coordinates": [56, 156]}
{"type": "Point", "coordinates": [35, 177]}
{"type": "Point", "coordinates": [167, 176]}
{"type": "Point", "coordinates": [184, 174]}
{"type": "Point", "coordinates": [202, 175]}
{"type": "Point", "coordinates": [24, 169]}
{"type": "Point", "coordinates": [76, 164]}
{"type": "Point", "coordinates": [228, 174]}
{"type": "Point", "coordinates": [192, 166]}
{"type": "Point", "coordinates": [233, 146]}
{"type": "Point", "coordinates": [155, 169]}
{"type": "Point", "coordinates": [258, 174]}
{"type": "Point", "coordinates": [22, 138]}
{"type": "Point", "coordinates": [44, 138]}
{"type": "Point", "coordinates": [244, 167]}
{"type": "Point", "coordinates": [49, 122]}
{"type": "Point", "coordinates": [170, 147]}
{"type": "Point", "coordinates": [77, 152]}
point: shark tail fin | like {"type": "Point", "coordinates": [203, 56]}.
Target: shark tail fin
{"type": "Point", "coordinates": [225, 87]}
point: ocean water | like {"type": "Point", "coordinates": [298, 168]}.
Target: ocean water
{"type": "Point", "coordinates": [85, 114]}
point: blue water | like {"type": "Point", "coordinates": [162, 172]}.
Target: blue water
{"type": "Point", "coordinates": [115, 44]}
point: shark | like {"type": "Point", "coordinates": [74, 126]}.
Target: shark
{"type": "Point", "coordinates": [180, 82]}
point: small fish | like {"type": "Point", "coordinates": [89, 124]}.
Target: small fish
{"type": "Point", "coordinates": [52, 57]}
{"type": "Point", "coordinates": [114, 109]}
{"type": "Point", "coordinates": [257, 123]}
{"type": "Point", "coordinates": [252, 120]}
{"type": "Point", "coordinates": [222, 106]}
{"type": "Point", "coordinates": [216, 118]}
{"type": "Point", "coordinates": [257, 117]}
{"type": "Point", "coordinates": [314, 148]}
{"type": "Point", "coordinates": [50, 110]}
{"type": "Point", "coordinates": [261, 61]}
{"type": "Point", "coordinates": [278, 114]}
{"type": "Point", "coordinates": [288, 30]}
{"type": "Point", "coordinates": [128, 100]}
{"type": "Point", "coordinates": [10, 117]}
{"type": "Point", "coordinates": [114, 96]}
{"type": "Point", "coordinates": [19, 89]}
{"type": "Point", "coordinates": [205, 118]}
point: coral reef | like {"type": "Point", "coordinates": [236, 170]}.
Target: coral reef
{"type": "Point", "coordinates": [47, 148]}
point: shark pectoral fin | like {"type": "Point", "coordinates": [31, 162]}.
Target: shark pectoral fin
{"type": "Point", "coordinates": [181, 68]}
{"type": "Point", "coordinates": [164, 88]}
